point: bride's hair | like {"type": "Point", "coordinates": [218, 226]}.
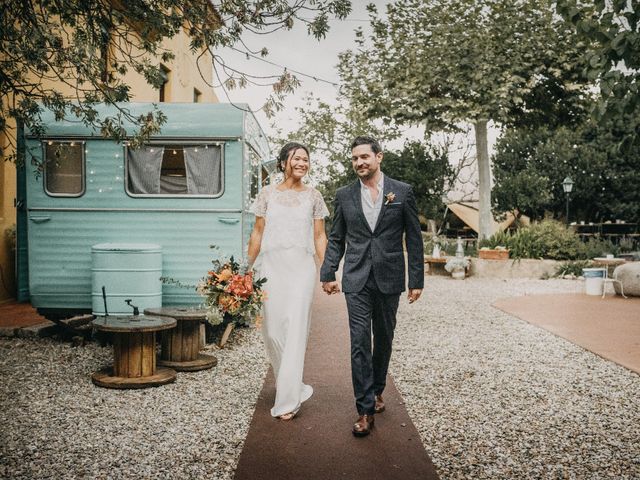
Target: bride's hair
{"type": "Point", "coordinates": [281, 161]}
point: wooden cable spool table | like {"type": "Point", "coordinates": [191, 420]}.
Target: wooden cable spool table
{"type": "Point", "coordinates": [181, 346]}
{"type": "Point", "coordinates": [134, 352]}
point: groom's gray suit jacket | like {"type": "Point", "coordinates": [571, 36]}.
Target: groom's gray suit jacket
{"type": "Point", "coordinates": [379, 250]}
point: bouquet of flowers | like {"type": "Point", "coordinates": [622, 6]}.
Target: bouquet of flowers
{"type": "Point", "coordinates": [231, 293]}
{"type": "Point", "coordinates": [456, 263]}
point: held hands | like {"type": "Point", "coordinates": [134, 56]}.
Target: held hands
{"type": "Point", "coordinates": [331, 287]}
{"type": "Point", "coordinates": [414, 294]}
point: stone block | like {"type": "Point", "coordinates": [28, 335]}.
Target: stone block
{"type": "Point", "coordinates": [629, 275]}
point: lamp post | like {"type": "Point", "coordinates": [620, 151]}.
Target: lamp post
{"type": "Point", "coordinates": [567, 186]}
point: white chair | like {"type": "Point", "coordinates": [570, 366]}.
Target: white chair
{"type": "Point", "coordinates": [612, 281]}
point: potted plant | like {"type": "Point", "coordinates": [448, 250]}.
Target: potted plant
{"type": "Point", "coordinates": [457, 266]}
{"type": "Point", "coordinates": [498, 253]}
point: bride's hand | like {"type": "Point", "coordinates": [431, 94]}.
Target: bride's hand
{"type": "Point", "coordinates": [331, 287]}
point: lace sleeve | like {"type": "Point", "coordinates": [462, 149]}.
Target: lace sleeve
{"type": "Point", "coordinates": [259, 206]}
{"type": "Point", "coordinates": [320, 209]}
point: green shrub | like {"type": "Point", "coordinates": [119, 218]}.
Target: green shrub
{"type": "Point", "coordinates": [599, 247]}
{"type": "Point", "coordinates": [573, 267]}
{"type": "Point", "coordinates": [546, 239]}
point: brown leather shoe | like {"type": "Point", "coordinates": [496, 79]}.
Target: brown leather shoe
{"type": "Point", "coordinates": [363, 426]}
{"type": "Point", "coordinates": [379, 404]}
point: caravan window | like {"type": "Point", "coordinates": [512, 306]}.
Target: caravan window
{"type": "Point", "coordinates": [63, 168]}
{"type": "Point", "coordinates": [175, 170]}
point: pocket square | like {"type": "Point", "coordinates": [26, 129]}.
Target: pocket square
{"type": "Point", "coordinates": [394, 203]}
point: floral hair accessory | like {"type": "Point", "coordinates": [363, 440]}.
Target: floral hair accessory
{"type": "Point", "coordinates": [390, 198]}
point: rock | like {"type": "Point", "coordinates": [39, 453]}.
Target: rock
{"type": "Point", "coordinates": [629, 275]}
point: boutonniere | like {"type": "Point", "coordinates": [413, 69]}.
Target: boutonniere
{"type": "Point", "coordinates": [390, 198]}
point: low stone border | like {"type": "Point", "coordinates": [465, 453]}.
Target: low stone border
{"type": "Point", "coordinates": [514, 268]}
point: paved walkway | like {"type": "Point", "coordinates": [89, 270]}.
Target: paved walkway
{"type": "Point", "coordinates": [609, 327]}
{"type": "Point", "coordinates": [318, 443]}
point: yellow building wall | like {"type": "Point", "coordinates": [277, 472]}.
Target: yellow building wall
{"type": "Point", "coordinates": [7, 226]}
{"type": "Point", "coordinates": [183, 77]}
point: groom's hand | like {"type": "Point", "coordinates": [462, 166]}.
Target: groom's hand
{"type": "Point", "coordinates": [414, 294]}
{"type": "Point", "coordinates": [331, 287]}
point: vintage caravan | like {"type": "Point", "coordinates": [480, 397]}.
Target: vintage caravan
{"type": "Point", "coordinates": [188, 188]}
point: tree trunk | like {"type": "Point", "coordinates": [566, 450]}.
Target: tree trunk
{"type": "Point", "coordinates": [484, 179]}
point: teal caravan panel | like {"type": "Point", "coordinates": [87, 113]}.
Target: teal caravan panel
{"type": "Point", "coordinates": [122, 272]}
{"type": "Point", "coordinates": [62, 229]}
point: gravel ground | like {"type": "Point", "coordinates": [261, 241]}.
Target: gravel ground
{"type": "Point", "coordinates": [54, 423]}
{"type": "Point", "coordinates": [495, 397]}
{"type": "Point", "coordinates": [492, 396]}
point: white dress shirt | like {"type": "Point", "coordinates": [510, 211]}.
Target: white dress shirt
{"type": "Point", "coordinates": [370, 208]}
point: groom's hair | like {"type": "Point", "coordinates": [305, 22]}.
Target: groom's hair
{"type": "Point", "coordinates": [365, 140]}
{"type": "Point", "coordinates": [281, 161]}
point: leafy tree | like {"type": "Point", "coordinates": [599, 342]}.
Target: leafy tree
{"type": "Point", "coordinates": [530, 164]}
{"type": "Point", "coordinates": [614, 28]}
{"type": "Point", "coordinates": [328, 132]}
{"type": "Point", "coordinates": [88, 47]}
{"type": "Point", "coordinates": [428, 169]}
{"type": "Point", "coordinates": [443, 62]}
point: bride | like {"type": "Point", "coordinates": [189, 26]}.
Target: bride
{"type": "Point", "coordinates": [288, 232]}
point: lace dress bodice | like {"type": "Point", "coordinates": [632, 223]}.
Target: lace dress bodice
{"type": "Point", "coordinates": [289, 217]}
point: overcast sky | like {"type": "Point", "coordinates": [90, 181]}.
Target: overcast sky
{"type": "Point", "coordinates": [299, 51]}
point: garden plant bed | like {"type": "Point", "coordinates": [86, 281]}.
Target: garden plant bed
{"type": "Point", "coordinates": [493, 254]}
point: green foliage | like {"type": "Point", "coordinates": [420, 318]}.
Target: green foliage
{"type": "Point", "coordinates": [614, 62]}
{"type": "Point", "coordinates": [444, 62]}
{"type": "Point", "coordinates": [428, 169]}
{"type": "Point", "coordinates": [328, 132]}
{"type": "Point", "coordinates": [546, 239]}
{"type": "Point", "coordinates": [599, 247]}
{"type": "Point", "coordinates": [440, 63]}
{"type": "Point", "coordinates": [88, 48]}
{"type": "Point", "coordinates": [530, 164]}
{"type": "Point", "coordinates": [573, 267]}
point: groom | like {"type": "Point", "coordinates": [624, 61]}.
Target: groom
{"type": "Point", "coordinates": [370, 220]}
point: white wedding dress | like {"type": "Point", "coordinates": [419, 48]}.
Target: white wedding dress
{"type": "Point", "coordinates": [287, 260]}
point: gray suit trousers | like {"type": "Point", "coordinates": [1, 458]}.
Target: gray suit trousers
{"type": "Point", "coordinates": [369, 308]}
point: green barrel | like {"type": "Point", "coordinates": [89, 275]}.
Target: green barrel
{"type": "Point", "coordinates": [127, 271]}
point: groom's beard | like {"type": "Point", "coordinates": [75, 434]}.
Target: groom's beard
{"type": "Point", "coordinates": [365, 174]}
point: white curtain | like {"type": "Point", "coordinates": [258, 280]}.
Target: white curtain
{"type": "Point", "coordinates": [144, 169]}
{"type": "Point", "coordinates": [203, 166]}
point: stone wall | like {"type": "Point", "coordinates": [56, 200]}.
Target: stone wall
{"type": "Point", "coordinates": [524, 268]}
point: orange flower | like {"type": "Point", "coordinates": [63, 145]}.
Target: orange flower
{"type": "Point", "coordinates": [227, 303]}
{"type": "Point", "coordinates": [224, 275]}
{"type": "Point", "coordinates": [241, 285]}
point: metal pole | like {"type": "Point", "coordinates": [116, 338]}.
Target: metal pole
{"type": "Point", "coordinates": [567, 209]}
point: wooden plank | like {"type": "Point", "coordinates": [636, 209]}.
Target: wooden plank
{"type": "Point", "coordinates": [193, 331]}
{"type": "Point", "coordinates": [226, 334]}
{"type": "Point", "coordinates": [166, 345]}
{"type": "Point", "coordinates": [176, 343]}
{"type": "Point", "coordinates": [148, 354]}
{"type": "Point", "coordinates": [120, 359]}
{"type": "Point", "coordinates": [135, 354]}
{"type": "Point", "coordinates": [185, 353]}
{"type": "Point", "coordinates": [153, 356]}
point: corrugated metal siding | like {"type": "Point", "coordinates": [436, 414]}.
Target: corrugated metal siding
{"type": "Point", "coordinates": [105, 182]}
{"type": "Point", "coordinates": [183, 120]}
{"type": "Point", "coordinates": [60, 250]}
{"type": "Point", "coordinates": [60, 245]}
